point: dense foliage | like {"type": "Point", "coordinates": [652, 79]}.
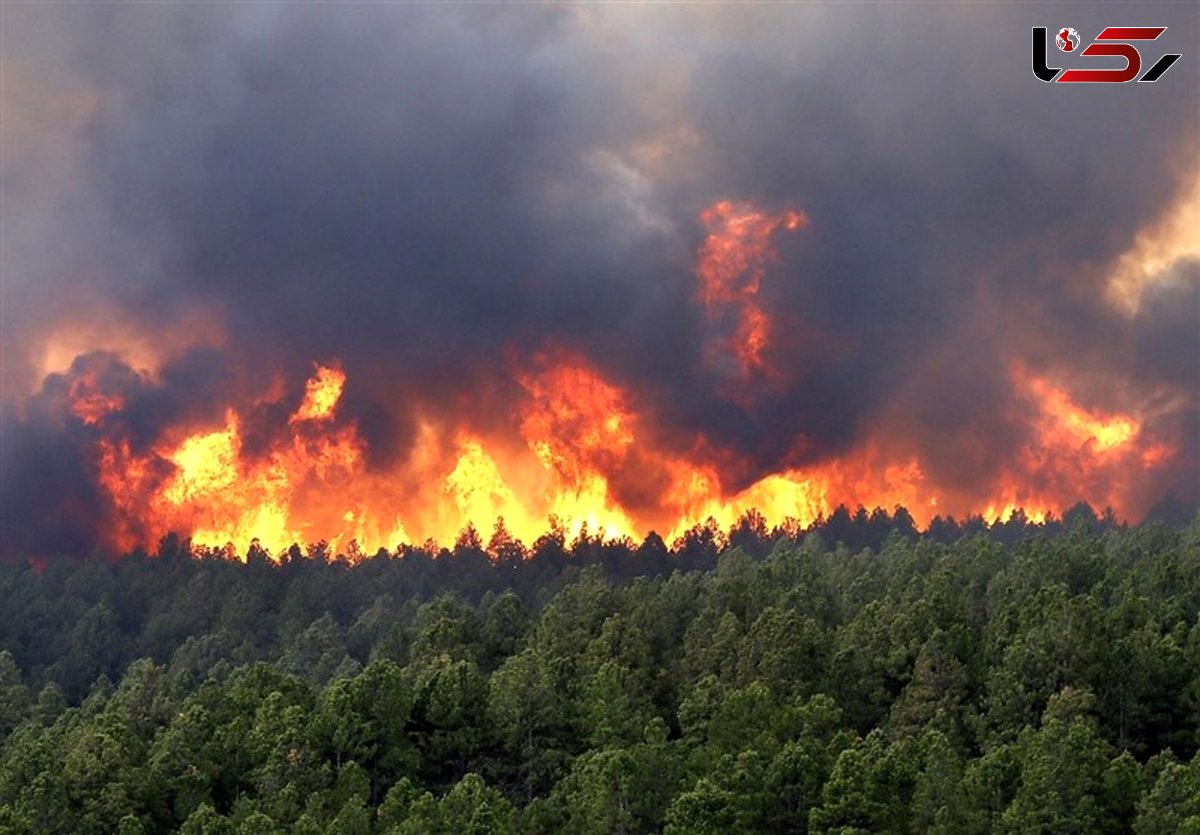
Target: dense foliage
{"type": "Point", "coordinates": [858, 678]}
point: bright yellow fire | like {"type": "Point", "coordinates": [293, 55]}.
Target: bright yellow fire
{"type": "Point", "coordinates": [321, 394]}
{"type": "Point", "coordinates": [581, 450]}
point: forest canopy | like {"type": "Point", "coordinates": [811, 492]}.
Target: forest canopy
{"type": "Point", "coordinates": [858, 676]}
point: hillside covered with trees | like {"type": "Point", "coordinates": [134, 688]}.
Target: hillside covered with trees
{"type": "Point", "coordinates": [854, 677]}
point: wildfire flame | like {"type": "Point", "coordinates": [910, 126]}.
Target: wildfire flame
{"type": "Point", "coordinates": [579, 448]}
{"type": "Point", "coordinates": [321, 394]}
{"type": "Point", "coordinates": [579, 431]}
{"type": "Point", "coordinates": [1075, 451]}
{"type": "Point", "coordinates": [90, 404]}
{"type": "Point", "coordinates": [733, 261]}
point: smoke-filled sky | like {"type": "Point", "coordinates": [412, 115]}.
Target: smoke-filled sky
{"type": "Point", "coordinates": [444, 201]}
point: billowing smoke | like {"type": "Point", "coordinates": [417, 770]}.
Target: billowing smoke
{"type": "Point", "coordinates": [481, 214]}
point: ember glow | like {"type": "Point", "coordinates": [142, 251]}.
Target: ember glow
{"type": "Point", "coordinates": [305, 274]}
{"type": "Point", "coordinates": [90, 405]}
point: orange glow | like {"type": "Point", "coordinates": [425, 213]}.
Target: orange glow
{"type": "Point", "coordinates": [210, 489]}
{"type": "Point", "coordinates": [89, 403]}
{"type": "Point", "coordinates": [1157, 249]}
{"type": "Point", "coordinates": [321, 394]}
{"type": "Point", "coordinates": [803, 496]}
{"type": "Point", "coordinates": [575, 419]}
{"type": "Point", "coordinates": [1073, 451]}
{"type": "Point", "coordinates": [578, 434]}
{"type": "Point", "coordinates": [142, 346]}
{"type": "Point", "coordinates": [579, 427]}
{"type": "Point", "coordinates": [1101, 432]}
{"type": "Point", "coordinates": [732, 264]}
{"type": "Point", "coordinates": [127, 479]}
{"type": "Point", "coordinates": [577, 448]}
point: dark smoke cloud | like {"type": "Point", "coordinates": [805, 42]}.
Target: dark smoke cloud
{"type": "Point", "coordinates": [424, 191]}
{"type": "Point", "coordinates": [52, 501]}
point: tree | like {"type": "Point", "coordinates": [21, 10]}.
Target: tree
{"type": "Point", "coordinates": [937, 805]}
{"type": "Point", "coordinates": [14, 695]}
{"type": "Point", "coordinates": [622, 790]}
{"type": "Point", "coordinates": [449, 717]}
{"type": "Point", "coordinates": [1023, 678]}
{"type": "Point", "coordinates": [937, 694]}
{"type": "Point", "coordinates": [1172, 805]}
{"type": "Point", "coordinates": [527, 711]}
{"type": "Point", "coordinates": [206, 821]}
{"type": "Point", "coordinates": [473, 807]}
{"type": "Point", "coordinates": [706, 809]}
{"type": "Point", "coordinates": [869, 790]}
{"type": "Point", "coordinates": [1062, 769]}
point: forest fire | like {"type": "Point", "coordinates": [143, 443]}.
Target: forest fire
{"type": "Point", "coordinates": [581, 435]}
{"type": "Point", "coordinates": [598, 417]}
{"type": "Point", "coordinates": [575, 446]}
{"type": "Point", "coordinates": [1073, 451]}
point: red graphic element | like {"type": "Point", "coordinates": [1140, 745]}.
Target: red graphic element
{"type": "Point", "coordinates": [1133, 64]}
{"type": "Point", "coordinates": [1133, 59]}
{"type": "Point", "coordinates": [1065, 37]}
{"type": "Point", "coordinates": [1131, 33]}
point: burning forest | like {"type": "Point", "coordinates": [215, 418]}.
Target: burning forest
{"type": "Point", "coordinates": [262, 286]}
{"type": "Point", "coordinates": [598, 417]}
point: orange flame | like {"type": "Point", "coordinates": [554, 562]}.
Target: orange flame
{"type": "Point", "coordinates": [580, 431]}
{"type": "Point", "coordinates": [1097, 432]}
{"type": "Point", "coordinates": [321, 394]}
{"type": "Point", "coordinates": [1074, 451]}
{"type": "Point", "coordinates": [732, 264]}
{"type": "Point", "coordinates": [89, 403]}
{"type": "Point", "coordinates": [579, 449]}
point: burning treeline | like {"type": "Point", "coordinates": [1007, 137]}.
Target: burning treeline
{"type": "Point", "coordinates": [294, 462]}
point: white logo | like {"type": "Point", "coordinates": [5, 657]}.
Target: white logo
{"type": "Point", "coordinates": [1067, 39]}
